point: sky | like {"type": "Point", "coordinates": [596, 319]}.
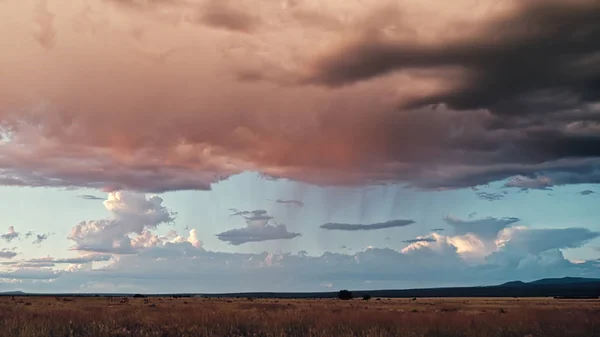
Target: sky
{"type": "Point", "coordinates": [208, 146]}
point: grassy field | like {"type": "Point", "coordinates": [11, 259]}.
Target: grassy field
{"type": "Point", "coordinates": [100, 316]}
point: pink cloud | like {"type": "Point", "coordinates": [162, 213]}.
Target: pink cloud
{"type": "Point", "coordinates": [411, 102]}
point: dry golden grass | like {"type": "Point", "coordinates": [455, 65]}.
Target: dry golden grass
{"type": "Point", "coordinates": [91, 317]}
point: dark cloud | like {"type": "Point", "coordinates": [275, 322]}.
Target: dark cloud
{"type": "Point", "coordinates": [297, 203]}
{"type": "Point", "coordinates": [490, 196]}
{"type": "Point", "coordinates": [437, 229]}
{"type": "Point", "coordinates": [41, 238]}
{"type": "Point", "coordinates": [256, 234]}
{"type": "Point", "coordinates": [511, 68]}
{"type": "Point", "coordinates": [485, 228]}
{"type": "Point", "coordinates": [76, 260]}
{"type": "Point", "coordinates": [483, 100]}
{"type": "Point", "coordinates": [10, 235]}
{"type": "Point", "coordinates": [90, 197]}
{"type": "Point", "coordinates": [28, 234]}
{"type": "Point", "coordinates": [226, 15]}
{"type": "Point", "coordinates": [366, 227]}
{"type": "Point", "coordinates": [420, 240]}
{"type": "Point", "coordinates": [259, 215]}
{"type": "Point", "coordinates": [587, 192]}
{"type": "Point", "coordinates": [256, 212]}
{"type": "Point", "coordinates": [257, 229]}
{"type": "Point", "coordinates": [7, 254]}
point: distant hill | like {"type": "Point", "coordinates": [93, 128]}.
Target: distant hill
{"type": "Point", "coordinates": [12, 293]}
{"type": "Point", "coordinates": [552, 281]}
{"type": "Point", "coordinates": [514, 284]}
{"type": "Point", "coordinates": [567, 287]}
{"type": "Point", "coordinates": [566, 280]}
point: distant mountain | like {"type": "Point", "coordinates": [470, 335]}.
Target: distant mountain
{"type": "Point", "coordinates": [552, 282]}
{"type": "Point", "coordinates": [566, 280]}
{"type": "Point", "coordinates": [566, 287]}
{"type": "Point", "coordinates": [513, 284]}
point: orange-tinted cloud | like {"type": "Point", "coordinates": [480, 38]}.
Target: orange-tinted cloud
{"type": "Point", "coordinates": [328, 93]}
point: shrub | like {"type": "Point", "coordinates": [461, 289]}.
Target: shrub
{"type": "Point", "coordinates": [366, 297]}
{"type": "Point", "coordinates": [345, 295]}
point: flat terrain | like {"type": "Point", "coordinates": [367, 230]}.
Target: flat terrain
{"type": "Point", "coordinates": [452, 317]}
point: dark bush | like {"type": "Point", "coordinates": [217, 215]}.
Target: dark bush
{"type": "Point", "coordinates": [345, 295]}
{"type": "Point", "coordinates": [366, 297]}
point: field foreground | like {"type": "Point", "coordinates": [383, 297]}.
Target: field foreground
{"type": "Point", "coordinates": [469, 317]}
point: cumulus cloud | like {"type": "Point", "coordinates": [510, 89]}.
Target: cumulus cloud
{"type": "Point", "coordinates": [435, 260]}
{"type": "Point", "coordinates": [513, 47]}
{"type": "Point", "coordinates": [486, 228]}
{"type": "Point", "coordinates": [459, 121]}
{"type": "Point", "coordinates": [131, 214]}
{"type": "Point", "coordinates": [257, 229]}
{"type": "Point", "coordinates": [10, 235]}
{"type": "Point", "coordinates": [366, 227]}
{"type": "Point", "coordinates": [526, 252]}
{"type": "Point", "coordinates": [535, 241]}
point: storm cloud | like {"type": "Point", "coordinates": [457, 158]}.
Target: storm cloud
{"type": "Point", "coordinates": [513, 70]}
{"type": "Point", "coordinates": [303, 91]}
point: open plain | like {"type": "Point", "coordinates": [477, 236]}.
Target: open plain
{"type": "Point", "coordinates": [422, 317]}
